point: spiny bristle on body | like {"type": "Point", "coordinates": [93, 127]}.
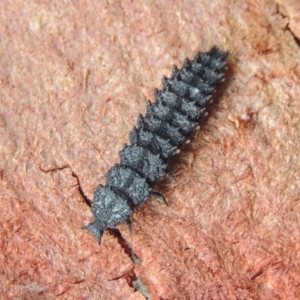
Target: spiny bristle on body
{"type": "Point", "coordinates": [168, 121]}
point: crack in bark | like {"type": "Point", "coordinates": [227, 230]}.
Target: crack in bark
{"type": "Point", "coordinates": [130, 276]}
{"type": "Point", "coordinates": [81, 192]}
{"type": "Point", "coordinates": [257, 274]}
{"type": "Point", "coordinates": [54, 169]}
{"type": "Point", "coordinates": [132, 280]}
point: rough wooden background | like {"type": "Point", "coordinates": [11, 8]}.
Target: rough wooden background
{"type": "Point", "coordinates": [74, 76]}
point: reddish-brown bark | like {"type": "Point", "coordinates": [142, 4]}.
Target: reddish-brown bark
{"type": "Point", "coordinates": [74, 77]}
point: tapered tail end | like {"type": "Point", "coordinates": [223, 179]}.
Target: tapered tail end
{"type": "Point", "coordinates": [95, 230]}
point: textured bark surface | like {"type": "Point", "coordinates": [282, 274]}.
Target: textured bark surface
{"type": "Point", "coordinates": [74, 77]}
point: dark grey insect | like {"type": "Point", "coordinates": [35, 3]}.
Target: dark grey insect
{"type": "Point", "coordinates": [168, 122]}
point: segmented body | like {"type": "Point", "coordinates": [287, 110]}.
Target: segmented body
{"type": "Point", "coordinates": [167, 123]}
